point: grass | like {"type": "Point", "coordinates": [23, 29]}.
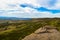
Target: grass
{"type": "Point", "coordinates": [17, 31]}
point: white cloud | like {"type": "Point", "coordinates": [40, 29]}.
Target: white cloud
{"type": "Point", "coordinates": [45, 3]}
{"type": "Point", "coordinates": [30, 13]}
{"type": "Point", "coordinates": [27, 12]}
{"type": "Point", "coordinates": [57, 5]}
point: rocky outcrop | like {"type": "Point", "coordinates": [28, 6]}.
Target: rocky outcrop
{"type": "Point", "coordinates": [44, 33]}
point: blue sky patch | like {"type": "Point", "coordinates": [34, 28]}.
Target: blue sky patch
{"type": "Point", "coordinates": [42, 9]}
{"type": "Point", "coordinates": [30, 8]}
{"type": "Point", "coordinates": [52, 2]}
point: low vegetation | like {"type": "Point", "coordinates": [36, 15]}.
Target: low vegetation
{"type": "Point", "coordinates": [18, 29]}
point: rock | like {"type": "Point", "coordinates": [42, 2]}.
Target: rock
{"type": "Point", "coordinates": [46, 29]}
{"type": "Point", "coordinates": [44, 33]}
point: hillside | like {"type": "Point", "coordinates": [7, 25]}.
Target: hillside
{"type": "Point", "coordinates": [13, 18]}
{"type": "Point", "coordinates": [18, 29]}
{"type": "Point", "coordinates": [44, 33]}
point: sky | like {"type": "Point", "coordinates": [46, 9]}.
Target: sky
{"type": "Point", "coordinates": [30, 8]}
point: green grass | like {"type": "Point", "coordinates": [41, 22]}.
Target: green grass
{"type": "Point", "coordinates": [17, 31]}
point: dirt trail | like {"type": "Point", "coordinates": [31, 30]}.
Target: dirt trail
{"type": "Point", "coordinates": [44, 33]}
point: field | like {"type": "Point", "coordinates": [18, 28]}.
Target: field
{"type": "Point", "coordinates": [18, 29]}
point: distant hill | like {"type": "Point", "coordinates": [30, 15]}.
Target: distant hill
{"type": "Point", "coordinates": [13, 18]}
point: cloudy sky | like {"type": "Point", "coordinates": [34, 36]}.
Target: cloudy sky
{"type": "Point", "coordinates": [30, 8]}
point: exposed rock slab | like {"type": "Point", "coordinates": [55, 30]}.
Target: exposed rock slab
{"type": "Point", "coordinates": [44, 34]}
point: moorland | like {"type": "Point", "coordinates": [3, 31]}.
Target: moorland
{"type": "Point", "coordinates": [18, 29]}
